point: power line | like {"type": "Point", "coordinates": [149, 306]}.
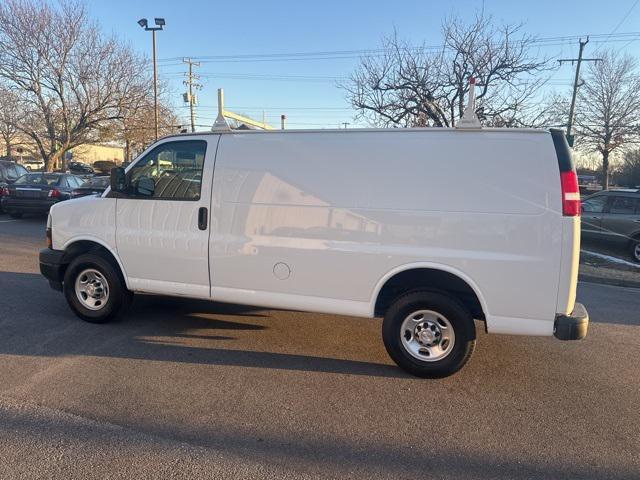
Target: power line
{"type": "Point", "coordinates": [347, 54]}
{"type": "Point", "coordinates": [626, 15]}
{"type": "Point", "coordinates": [624, 18]}
{"type": "Point", "coordinates": [267, 77]}
{"type": "Point", "coordinates": [629, 43]}
{"type": "Point", "coordinates": [295, 78]}
{"type": "Point", "coordinates": [259, 108]}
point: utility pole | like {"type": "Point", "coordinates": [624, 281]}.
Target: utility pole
{"type": "Point", "coordinates": [160, 23]}
{"type": "Point", "coordinates": [576, 83]}
{"type": "Point", "coordinates": [190, 97]}
{"type": "Point", "coordinates": [346, 125]}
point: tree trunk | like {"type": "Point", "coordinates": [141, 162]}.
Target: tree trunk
{"type": "Point", "coordinates": [8, 146]}
{"type": "Point", "coordinates": [127, 151]}
{"type": "Point", "coordinates": [54, 161]}
{"type": "Point", "coordinates": [63, 159]}
{"type": "Point", "coordinates": [605, 169]}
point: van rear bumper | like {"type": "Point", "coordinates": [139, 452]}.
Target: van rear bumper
{"type": "Point", "coordinates": [573, 326]}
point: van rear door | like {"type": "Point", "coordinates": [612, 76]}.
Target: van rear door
{"type": "Point", "coordinates": [570, 209]}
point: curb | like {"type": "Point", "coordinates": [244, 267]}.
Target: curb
{"type": "Point", "coordinates": [609, 281]}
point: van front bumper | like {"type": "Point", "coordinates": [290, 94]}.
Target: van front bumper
{"type": "Point", "coordinates": [52, 267]}
{"type": "Point", "coordinates": [573, 326]}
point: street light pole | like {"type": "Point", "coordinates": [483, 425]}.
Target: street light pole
{"type": "Point", "coordinates": [155, 83]}
{"type": "Point", "coordinates": [160, 23]}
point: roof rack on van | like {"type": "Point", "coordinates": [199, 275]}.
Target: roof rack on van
{"type": "Point", "coordinates": [221, 120]}
{"type": "Point", "coordinates": [469, 119]}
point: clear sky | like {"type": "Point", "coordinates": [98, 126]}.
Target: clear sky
{"type": "Point", "coordinates": [304, 86]}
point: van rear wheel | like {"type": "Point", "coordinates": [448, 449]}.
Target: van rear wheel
{"type": "Point", "coordinates": [428, 334]}
{"type": "Point", "coordinates": [95, 289]}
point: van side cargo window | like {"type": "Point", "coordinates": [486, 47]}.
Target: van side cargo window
{"type": "Point", "coordinates": [171, 171]}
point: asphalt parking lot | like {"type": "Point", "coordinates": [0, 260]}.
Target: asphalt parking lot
{"type": "Point", "coordinates": [190, 389]}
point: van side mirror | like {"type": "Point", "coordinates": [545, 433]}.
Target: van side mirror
{"type": "Point", "coordinates": [118, 181]}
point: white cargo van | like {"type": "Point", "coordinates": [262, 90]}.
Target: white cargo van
{"type": "Point", "coordinates": [429, 228]}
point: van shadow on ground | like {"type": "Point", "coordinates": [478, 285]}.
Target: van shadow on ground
{"type": "Point", "coordinates": [37, 321]}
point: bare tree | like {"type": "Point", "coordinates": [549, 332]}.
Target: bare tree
{"type": "Point", "coordinates": [419, 86]}
{"type": "Point", "coordinates": [543, 111]}
{"type": "Point", "coordinates": [629, 173]}
{"type": "Point", "coordinates": [608, 108]}
{"type": "Point", "coordinates": [137, 129]}
{"type": "Point", "coordinates": [9, 118]}
{"type": "Point", "coordinates": [72, 80]}
{"type": "Point", "coordinates": [587, 161]}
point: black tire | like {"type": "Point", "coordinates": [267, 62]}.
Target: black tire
{"type": "Point", "coordinates": [119, 297]}
{"type": "Point", "coordinates": [454, 312]}
{"type": "Point", "coordinates": [15, 215]}
{"type": "Point", "coordinates": [634, 250]}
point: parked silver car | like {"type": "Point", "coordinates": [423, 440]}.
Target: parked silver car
{"type": "Point", "coordinates": [614, 216]}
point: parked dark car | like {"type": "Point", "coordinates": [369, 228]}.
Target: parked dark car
{"type": "Point", "coordinates": [9, 173]}
{"type": "Point", "coordinates": [613, 216]}
{"type": "Point", "coordinates": [104, 167]}
{"type": "Point", "coordinates": [37, 192]}
{"type": "Point", "coordinates": [93, 186]}
{"type": "Point", "coordinates": [79, 168]}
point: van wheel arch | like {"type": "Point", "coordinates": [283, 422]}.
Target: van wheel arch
{"type": "Point", "coordinates": [428, 279]}
{"type": "Point", "coordinates": [81, 247]}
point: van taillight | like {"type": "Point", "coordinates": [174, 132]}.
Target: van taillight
{"type": "Point", "coordinates": [571, 205]}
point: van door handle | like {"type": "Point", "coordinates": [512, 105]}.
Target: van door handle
{"type": "Point", "coordinates": [202, 218]}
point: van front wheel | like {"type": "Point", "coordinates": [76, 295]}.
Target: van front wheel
{"type": "Point", "coordinates": [95, 289]}
{"type": "Point", "coordinates": [428, 334]}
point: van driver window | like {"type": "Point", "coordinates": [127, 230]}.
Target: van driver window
{"type": "Point", "coordinates": [171, 171]}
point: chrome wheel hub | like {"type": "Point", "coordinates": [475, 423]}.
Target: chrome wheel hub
{"type": "Point", "coordinates": [92, 289]}
{"type": "Point", "coordinates": [427, 335]}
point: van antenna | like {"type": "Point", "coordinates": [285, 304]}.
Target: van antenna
{"type": "Point", "coordinates": [469, 118]}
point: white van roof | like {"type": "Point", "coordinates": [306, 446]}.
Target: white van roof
{"type": "Point", "coordinates": [361, 130]}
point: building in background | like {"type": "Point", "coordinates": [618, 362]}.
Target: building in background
{"type": "Point", "coordinates": [91, 153]}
